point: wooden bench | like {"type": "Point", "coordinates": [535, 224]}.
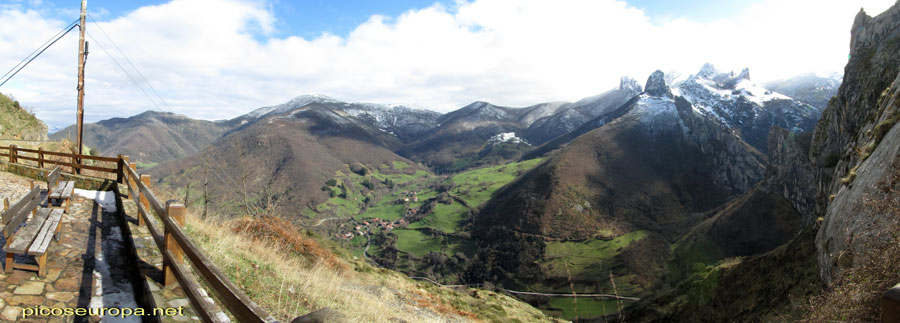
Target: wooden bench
{"type": "Point", "coordinates": [34, 238]}
{"type": "Point", "coordinates": [59, 190]}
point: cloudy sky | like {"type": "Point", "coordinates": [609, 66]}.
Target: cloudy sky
{"type": "Point", "coordinates": [216, 59]}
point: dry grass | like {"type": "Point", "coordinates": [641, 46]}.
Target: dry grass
{"type": "Point", "coordinates": [286, 237]}
{"type": "Point", "coordinates": [857, 292]}
{"type": "Point", "coordinates": [289, 274]}
{"type": "Point", "coordinates": [289, 285]}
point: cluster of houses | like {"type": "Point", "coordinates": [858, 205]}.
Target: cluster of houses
{"type": "Point", "coordinates": [363, 227]}
{"type": "Point", "coordinates": [407, 197]}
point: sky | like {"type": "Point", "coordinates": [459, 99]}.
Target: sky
{"type": "Point", "coordinates": [218, 59]}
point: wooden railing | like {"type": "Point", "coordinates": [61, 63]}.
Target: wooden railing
{"type": "Point", "coordinates": [75, 162]}
{"type": "Point", "coordinates": [174, 245]}
{"type": "Point", "coordinates": [890, 305]}
{"type": "Point", "coordinates": [169, 237]}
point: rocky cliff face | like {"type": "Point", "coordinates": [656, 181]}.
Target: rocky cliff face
{"type": "Point", "coordinates": [856, 143]}
{"type": "Point", "coordinates": [737, 165]}
{"type": "Point", "coordinates": [851, 223]}
{"type": "Point", "coordinates": [789, 172]}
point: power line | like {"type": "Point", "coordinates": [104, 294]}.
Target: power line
{"type": "Point", "coordinates": [64, 29]}
{"type": "Point", "coordinates": [130, 63]}
{"type": "Point", "coordinates": [36, 55]}
{"type": "Point", "coordinates": [125, 71]}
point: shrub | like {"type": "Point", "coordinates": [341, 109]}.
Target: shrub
{"type": "Point", "coordinates": [284, 235]}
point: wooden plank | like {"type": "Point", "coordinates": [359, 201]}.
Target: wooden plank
{"type": "Point", "coordinates": [19, 216]}
{"type": "Point", "coordinates": [22, 204]}
{"type": "Point", "coordinates": [28, 158]}
{"type": "Point", "coordinates": [25, 237]}
{"type": "Point", "coordinates": [57, 190]}
{"type": "Point", "coordinates": [154, 231]}
{"type": "Point", "coordinates": [53, 177]}
{"type": "Point", "coordinates": [99, 169]}
{"type": "Point", "coordinates": [26, 150]}
{"type": "Point", "coordinates": [45, 235]}
{"type": "Point", "coordinates": [67, 191]}
{"type": "Point", "coordinates": [60, 154]}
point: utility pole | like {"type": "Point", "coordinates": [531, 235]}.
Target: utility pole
{"type": "Point", "coordinates": [82, 56]}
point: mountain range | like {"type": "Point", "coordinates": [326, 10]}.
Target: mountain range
{"type": "Point", "coordinates": [712, 198]}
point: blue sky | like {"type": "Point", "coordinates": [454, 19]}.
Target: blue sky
{"type": "Point", "coordinates": [218, 59]}
{"type": "Point", "coordinates": [310, 18]}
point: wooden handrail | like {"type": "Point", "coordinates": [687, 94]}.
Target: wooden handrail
{"type": "Point", "coordinates": [14, 154]}
{"type": "Point", "coordinates": [54, 153]}
{"type": "Point", "coordinates": [97, 158]}
{"type": "Point", "coordinates": [234, 300]}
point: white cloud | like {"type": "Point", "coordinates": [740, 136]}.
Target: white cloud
{"type": "Point", "coordinates": [218, 59]}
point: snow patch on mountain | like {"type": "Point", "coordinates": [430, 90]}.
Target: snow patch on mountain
{"type": "Point", "coordinates": [509, 137]}
{"type": "Point", "coordinates": [713, 93]}
{"type": "Point", "coordinates": [294, 103]}
{"type": "Point", "coordinates": [652, 109]}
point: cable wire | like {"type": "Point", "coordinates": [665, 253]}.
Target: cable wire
{"type": "Point", "coordinates": [130, 63]}
{"type": "Point", "coordinates": [36, 55]}
{"type": "Point", "coordinates": [39, 47]}
{"type": "Point", "coordinates": [124, 71]}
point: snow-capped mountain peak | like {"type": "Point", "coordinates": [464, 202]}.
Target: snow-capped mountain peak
{"type": "Point", "coordinates": [738, 102]}
{"type": "Point", "coordinates": [708, 71]}
{"type": "Point", "coordinates": [294, 103]}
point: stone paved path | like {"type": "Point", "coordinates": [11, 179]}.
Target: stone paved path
{"type": "Point", "coordinates": [86, 268]}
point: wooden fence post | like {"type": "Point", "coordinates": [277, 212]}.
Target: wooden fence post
{"type": "Point", "coordinates": [131, 180]}
{"type": "Point", "coordinates": [12, 154]}
{"type": "Point", "coordinates": [144, 202]}
{"type": "Point", "coordinates": [40, 157]}
{"type": "Point", "coordinates": [75, 168]}
{"type": "Point", "coordinates": [120, 165]}
{"type": "Point", "coordinates": [174, 211]}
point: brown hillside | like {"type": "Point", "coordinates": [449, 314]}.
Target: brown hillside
{"type": "Point", "coordinates": [279, 164]}
{"type": "Point", "coordinates": [150, 137]}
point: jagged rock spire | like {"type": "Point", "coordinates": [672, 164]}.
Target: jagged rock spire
{"type": "Point", "coordinates": [656, 85]}
{"type": "Point", "coordinates": [627, 83]}
{"type": "Point", "coordinates": [745, 74]}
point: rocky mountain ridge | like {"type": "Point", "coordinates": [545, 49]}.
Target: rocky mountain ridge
{"type": "Point", "coordinates": [855, 144]}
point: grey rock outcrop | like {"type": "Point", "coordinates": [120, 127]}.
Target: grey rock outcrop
{"type": "Point", "coordinates": [789, 172]}
{"type": "Point", "coordinates": [656, 85]}
{"type": "Point", "coordinates": [855, 145]}
{"type": "Point", "coordinates": [737, 165]}
{"type": "Point", "coordinates": [851, 222]}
